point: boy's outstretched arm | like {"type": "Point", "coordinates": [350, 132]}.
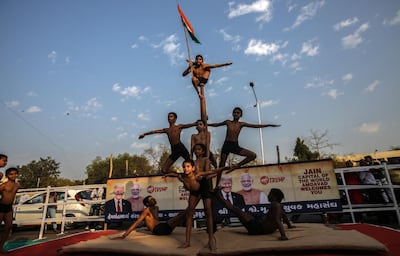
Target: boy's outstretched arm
{"type": "Point", "coordinates": [259, 125]}
{"type": "Point", "coordinates": [135, 224]}
{"type": "Point", "coordinates": [184, 126]}
{"type": "Point", "coordinates": [174, 175]}
{"type": "Point", "coordinates": [217, 124]}
{"type": "Point", "coordinates": [141, 136]}
{"type": "Point", "coordinates": [219, 65]}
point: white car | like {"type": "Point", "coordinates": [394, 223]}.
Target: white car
{"type": "Point", "coordinates": [30, 210]}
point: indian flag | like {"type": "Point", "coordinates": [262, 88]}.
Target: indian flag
{"type": "Point", "coordinates": [187, 25]}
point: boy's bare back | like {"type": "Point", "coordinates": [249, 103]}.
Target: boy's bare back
{"type": "Point", "coordinates": [150, 220]}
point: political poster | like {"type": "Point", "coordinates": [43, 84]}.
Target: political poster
{"type": "Point", "coordinates": [309, 187]}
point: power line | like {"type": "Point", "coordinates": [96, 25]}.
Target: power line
{"type": "Point", "coordinates": [33, 127]}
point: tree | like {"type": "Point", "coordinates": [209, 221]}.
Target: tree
{"type": "Point", "coordinates": [98, 170]}
{"type": "Point", "coordinates": [123, 165]}
{"type": "Point", "coordinates": [61, 182]}
{"type": "Point", "coordinates": [302, 152]}
{"type": "Point", "coordinates": [318, 141]}
{"type": "Point", "coordinates": [40, 173]}
{"type": "Point", "coordinates": [157, 155]}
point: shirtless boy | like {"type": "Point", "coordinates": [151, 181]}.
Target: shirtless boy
{"type": "Point", "coordinates": [3, 160]}
{"type": "Point", "coordinates": [7, 191]}
{"type": "Point", "coordinates": [197, 184]}
{"type": "Point", "coordinates": [174, 136]}
{"type": "Point", "coordinates": [3, 163]}
{"type": "Point", "coordinates": [231, 144]}
{"type": "Point", "coordinates": [201, 72]}
{"type": "Point", "coordinates": [150, 218]}
{"type": "Point", "coordinates": [270, 223]}
{"type": "Point", "coordinates": [202, 137]}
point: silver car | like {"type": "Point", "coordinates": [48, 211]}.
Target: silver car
{"type": "Point", "coordinates": [30, 210]}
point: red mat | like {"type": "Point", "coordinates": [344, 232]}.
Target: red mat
{"type": "Point", "coordinates": [389, 237]}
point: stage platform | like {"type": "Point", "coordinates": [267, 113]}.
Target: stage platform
{"type": "Point", "coordinates": [305, 239]}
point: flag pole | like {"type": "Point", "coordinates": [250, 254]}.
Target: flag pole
{"type": "Point", "coordinates": [187, 44]}
{"type": "Point", "coordinates": [187, 47]}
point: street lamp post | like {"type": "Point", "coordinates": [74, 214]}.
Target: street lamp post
{"type": "Point", "coordinates": [259, 122]}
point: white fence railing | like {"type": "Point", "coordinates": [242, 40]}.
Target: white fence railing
{"type": "Point", "coordinates": [71, 206]}
{"type": "Point", "coordinates": [385, 188]}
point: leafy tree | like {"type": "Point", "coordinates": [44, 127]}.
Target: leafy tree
{"type": "Point", "coordinates": [61, 182]}
{"type": "Point", "coordinates": [302, 152]}
{"type": "Point", "coordinates": [40, 173]}
{"type": "Point", "coordinates": [123, 165]}
{"type": "Point", "coordinates": [98, 170]}
{"type": "Point", "coordinates": [127, 165]}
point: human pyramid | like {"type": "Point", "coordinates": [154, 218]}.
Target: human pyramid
{"type": "Point", "coordinates": [197, 174]}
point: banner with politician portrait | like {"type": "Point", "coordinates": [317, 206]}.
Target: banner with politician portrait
{"type": "Point", "coordinates": [308, 187]}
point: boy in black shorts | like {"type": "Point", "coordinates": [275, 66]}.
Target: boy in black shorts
{"type": "Point", "coordinates": [231, 143]}
{"type": "Point", "coordinates": [8, 191]}
{"type": "Point", "coordinates": [268, 224]}
{"type": "Point", "coordinates": [150, 218]}
{"type": "Point", "coordinates": [174, 136]}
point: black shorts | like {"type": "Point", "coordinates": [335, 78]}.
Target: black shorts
{"type": "Point", "coordinates": [5, 208]}
{"type": "Point", "coordinates": [202, 80]}
{"type": "Point", "coordinates": [211, 157]}
{"type": "Point", "coordinates": [162, 229]}
{"type": "Point", "coordinates": [195, 193]}
{"type": "Point", "coordinates": [205, 188]}
{"type": "Point", "coordinates": [254, 227]}
{"type": "Point", "coordinates": [179, 150]}
{"type": "Point", "coordinates": [231, 147]}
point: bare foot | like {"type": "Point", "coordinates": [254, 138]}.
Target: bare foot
{"type": "Point", "coordinates": [116, 237]}
{"type": "Point", "coordinates": [221, 169]}
{"type": "Point", "coordinates": [232, 168]}
{"type": "Point", "coordinates": [212, 244]}
{"type": "Point", "coordinates": [283, 238]}
{"type": "Point", "coordinates": [184, 245]}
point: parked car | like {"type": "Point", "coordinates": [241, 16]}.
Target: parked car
{"type": "Point", "coordinates": [30, 210]}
